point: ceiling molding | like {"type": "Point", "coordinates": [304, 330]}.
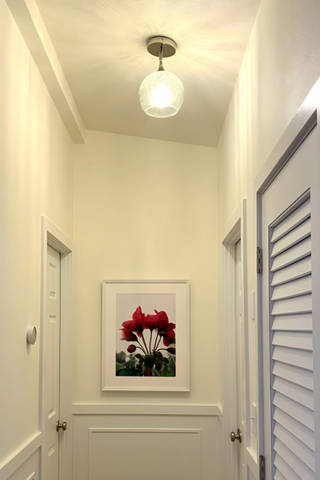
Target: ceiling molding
{"type": "Point", "coordinates": [35, 34]}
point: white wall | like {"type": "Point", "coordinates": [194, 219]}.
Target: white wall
{"type": "Point", "coordinates": [35, 179]}
{"type": "Point", "coordinates": [144, 209]}
{"type": "Point", "coordinates": [281, 64]}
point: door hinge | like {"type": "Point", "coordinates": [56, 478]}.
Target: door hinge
{"type": "Point", "coordinates": [259, 260]}
{"type": "Point", "coordinates": [262, 470]}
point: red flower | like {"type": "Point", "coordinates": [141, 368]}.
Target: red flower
{"type": "Point", "coordinates": [128, 335]}
{"type": "Point", "coordinates": [132, 348]}
{"type": "Point", "coordinates": [168, 337]}
{"type": "Point", "coordinates": [136, 324]}
{"type": "Point", "coordinates": [163, 322]}
{"type": "Point", "coordinates": [151, 322]}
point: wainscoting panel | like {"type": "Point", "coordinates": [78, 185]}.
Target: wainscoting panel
{"type": "Point", "coordinates": [24, 463]}
{"type": "Point", "coordinates": [29, 470]}
{"type": "Point", "coordinates": [141, 454]}
{"type": "Point", "coordinates": [143, 447]}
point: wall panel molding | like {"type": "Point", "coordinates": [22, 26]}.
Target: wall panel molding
{"type": "Point", "coordinates": [140, 452]}
{"type": "Point", "coordinates": [147, 409]}
{"type": "Point", "coordinates": [176, 432]}
{"type": "Point", "coordinates": [20, 456]}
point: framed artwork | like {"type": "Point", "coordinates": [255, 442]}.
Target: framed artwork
{"type": "Point", "coordinates": [145, 335]}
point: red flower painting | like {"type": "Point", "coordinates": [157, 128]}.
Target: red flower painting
{"type": "Point", "coordinates": [154, 336]}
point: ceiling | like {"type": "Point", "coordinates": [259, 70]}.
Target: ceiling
{"type": "Point", "coordinates": [101, 45]}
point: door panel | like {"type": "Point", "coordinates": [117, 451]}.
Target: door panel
{"type": "Point", "coordinates": [289, 418]}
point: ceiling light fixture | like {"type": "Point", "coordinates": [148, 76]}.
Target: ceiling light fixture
{"type": "Point", "coordinates": [161, 92]}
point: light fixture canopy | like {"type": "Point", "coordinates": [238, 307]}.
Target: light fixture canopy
{"type": "Point", "coordinates": [161, 92]}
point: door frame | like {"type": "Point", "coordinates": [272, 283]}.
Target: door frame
{"type": "Point", "coordinates": [236, 229]}
{"type": "Point", "coordinates": [51, 235]}
{"type": "Point", "coordinates": [304, 121]}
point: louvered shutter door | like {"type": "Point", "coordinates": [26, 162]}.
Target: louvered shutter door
{"type": "Point", "coordinates": [292, 382]}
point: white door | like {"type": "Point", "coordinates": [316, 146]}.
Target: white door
{"type": "Point", "coordinates": [51, 363]}
{"type": "Point", "coordinates": [240, 373]}
{"type": "Point", "coordinates": [233, 354]}
{"type": "Point", "coordinates": [288, 210]}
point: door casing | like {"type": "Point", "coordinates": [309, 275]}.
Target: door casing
{"type": "Point", "coordinates": [235, 230]}
{"type": "Point", "coordinates": [51, 235]}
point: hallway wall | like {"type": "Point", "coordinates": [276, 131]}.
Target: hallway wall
{"type": "Point", "coordinates": [35, 180]}
{"type": "Point", "coordinates": [145, 209]}
{"type": "Point", "coordinates": [281, 64]}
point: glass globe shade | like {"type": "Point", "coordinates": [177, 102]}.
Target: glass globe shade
{"type": "Point", "coordinates": [161, 94]}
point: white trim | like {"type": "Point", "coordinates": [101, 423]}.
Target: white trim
{"type": "Point", "coordinates": [193, 431]}
{"type": "Point", "coordinates": [147, 409]}
{"type": "Point", "coordinates": [51, 235]}
{"type": "Point", "coordinates": [304, 121]}
{"type": "Point", "coordinates": [29, 20]}
{"type": "Point", "coordinates": [297, 131]}
{"type": "Point", "coordinates": [236, 229]}
{"type": "Point", "coordinates": [20, 456]}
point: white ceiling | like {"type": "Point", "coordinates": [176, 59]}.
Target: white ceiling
{"type": "Point", "coordinates": [101, 45]}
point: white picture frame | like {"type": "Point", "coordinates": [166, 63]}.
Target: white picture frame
{"type": "Point", "coordinates": [120, 300]}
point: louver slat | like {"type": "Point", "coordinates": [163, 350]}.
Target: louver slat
{"type": "Point", "coordinates": [295, 428]}
{"type": "Point", "coordinates": [292, 221]}
{"type": "Point", "coordinates": [279, 476]}
{"type": "Point", "coordinates": [296, 270]}
{"type": "Point", "coordinates": [295, 392]}
{"type": "Point", "coordinates": [295, 410]}
{"type": "Point", "coordinates": [295, 323]}
{"type": "Point", "coordinates": [295, 253]}
{"type": "Point", "coordinates": [300, 286]}
{"type": "Point", "coordinates": [298, 340]}
{"type": "Point", "coordinates": [288, 306]}
{"type": "Point", "coordinates": [294, 374]}
{"type": "Point", "coordinates": [291, 356]}
{"type": "Point", "coordinates": [298, 448]}
{"type": "Point", "coordinates": [304, 472]}
{"type": "Point", "coordinates": [283, 467]}
{"type": "Point", "coordinates": [295, 236]}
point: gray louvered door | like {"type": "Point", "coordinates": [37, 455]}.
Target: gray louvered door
{"type": "Point", "coordinates": [288, 333]}
{"type": "Point", "coordinates": [292, 346]}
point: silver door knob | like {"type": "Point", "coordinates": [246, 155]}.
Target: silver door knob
{"type": "Point", "coordinates": [236, 436]}
{"type": "Point", "coordinates": [62, 425]}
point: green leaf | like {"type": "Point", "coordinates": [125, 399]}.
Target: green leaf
{"type": "Point", "coordinates": [171, 363]}
{"type": "Point", "coordinates": [164, 371]}
{"type": "Point", "coordinates": [149, 361]}
{"type": "Point", "coordinates": [156, 373]}
{"type": "Point", "coordinates": [120, 357]}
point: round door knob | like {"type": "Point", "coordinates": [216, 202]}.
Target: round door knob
{"type": "Point", "coordinates": [236, 436]}
{"type": "Point", "coordinates": [62, 425]}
